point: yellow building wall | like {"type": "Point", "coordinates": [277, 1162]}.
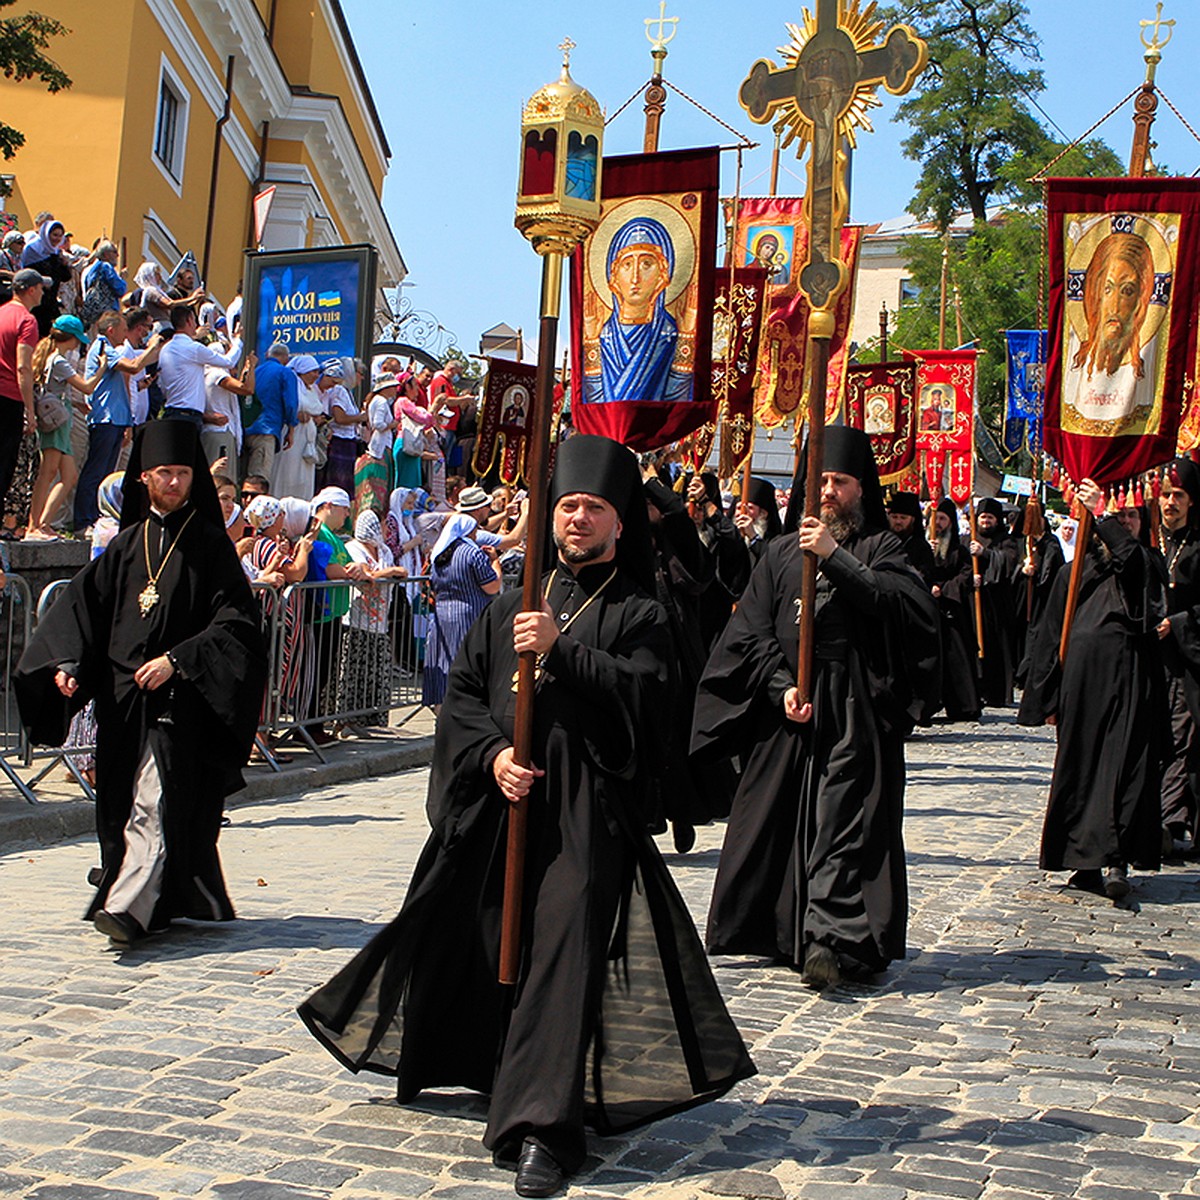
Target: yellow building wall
{"type": "Point", "coordinates": [70, 159]}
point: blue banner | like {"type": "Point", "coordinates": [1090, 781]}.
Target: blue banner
{"type": "Point", "coordinates": [1026, 362]}
{"type": "Point", "coordinates": [312, 306]}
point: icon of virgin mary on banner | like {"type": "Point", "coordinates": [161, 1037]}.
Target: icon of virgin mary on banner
{"type": "Point", "coordinates": [1124, 273]}
{"type": "Point", "coordinates": [642, 301]}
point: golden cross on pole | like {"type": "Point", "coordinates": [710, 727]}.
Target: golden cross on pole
{"type": "Point", "coordinates": [659, 40]}
{"type": "Point", "coordinates": [832, 68]}
{"type": "Point", "coordinates": [566, 46]}
{"type": "Point", "coordinates": [1157, 24]}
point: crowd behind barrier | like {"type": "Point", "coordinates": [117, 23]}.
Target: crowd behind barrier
{"type": "Point", "coordinates": [356, 673]}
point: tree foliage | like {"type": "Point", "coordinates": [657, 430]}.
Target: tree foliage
{"type": "Point", "coordinates": [970, 113]}
{"type": "Point", "coordinates": [23, 42]}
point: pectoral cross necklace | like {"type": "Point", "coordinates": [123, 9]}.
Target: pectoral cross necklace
{"type": "Point", "coordinates": [148, 597]}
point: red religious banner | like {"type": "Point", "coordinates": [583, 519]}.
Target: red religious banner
{"type": "Point", "coordinates": [503, 418]}
{"type": "Point", "coordinates": [945, 400]}
{"type": "Point", "coordinates": [1124, 262]}
{"type": "Point", "coordinates": [881, 401]}
{"type": "Point", "coordinates": [773, 234]}
{"type": "Point", "coordinates": [737, 322]}
{"type": "Point", "coordinates": [642, 301]}
{"type": "Point", "coordinates": [960, 466]}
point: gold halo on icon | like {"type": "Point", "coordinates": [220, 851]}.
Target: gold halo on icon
{"type": "Point", "coordinates": [678, 230]}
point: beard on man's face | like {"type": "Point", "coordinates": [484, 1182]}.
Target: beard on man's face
{"type": "Point", "coordinates": [165, 501]}
{"type": "Point", "coordinates": [577, 555]}
{"type": "Point", "coordinates": [842, 519]}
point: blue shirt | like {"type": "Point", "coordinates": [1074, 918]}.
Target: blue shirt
{"type": "Point", "coordinates": [101, 270]}
{"type": "Point", "coordinates": [110, 400]}
{"type": "Point", "coordinates": [276, 390]}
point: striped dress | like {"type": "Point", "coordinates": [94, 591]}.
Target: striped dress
{"type": "Point", "coordinates": [458, 599]}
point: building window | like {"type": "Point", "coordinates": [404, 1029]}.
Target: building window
{"type": "Point", "coordinates": [170, 125]}
{"type": "Point", "coordinates": [909, 292]}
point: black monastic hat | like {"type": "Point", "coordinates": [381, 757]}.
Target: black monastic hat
{"type": "Point", "coordinates": [601, 467]}
{"type": "Point", "coordinates": [848, 452]}
{"type": "Point", "coordinates": [1184, 473]}
{"type": "Point", "coordinates": [905, 504]}
{"type": "Point", "coordinates": [762, 493]}
{"type": "Point", "coordinates": [168, 442]}
{"type": "Point", "coordinates": [989, 504]}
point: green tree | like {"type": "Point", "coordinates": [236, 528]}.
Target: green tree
{"type": "Point", "coordinates": [23, 40]}
{"type": "Point", "coordinates": [970, 113]}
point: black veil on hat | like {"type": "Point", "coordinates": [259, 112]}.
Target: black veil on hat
{"type": "Point", "coordinates": [905, 504]}
{"type": "Point", "coordinates": [762, 493]}
{"type": "Point", "coordinates": [848, 452]}
{"type": "Point", "coordinates": [1184, 473]}
{"type": "Point", "coordinates": [601, 467]}
{"type": "Point", "coordinates": [168, 442]}
{"type": "Point", "coordinates": [948, 507]}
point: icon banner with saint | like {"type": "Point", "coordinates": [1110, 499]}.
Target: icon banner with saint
{"type": "Point", "coordinates": [642, 301]}
{"type": "Point", "coordinates": [1123, 277]}
{"type": "Point", "coordinates": [504, 419]}
{"type": "Point", "coordinates": [881, 401]}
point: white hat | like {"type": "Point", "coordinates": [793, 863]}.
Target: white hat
{"type": "Point", "coordinates": [303, 363]}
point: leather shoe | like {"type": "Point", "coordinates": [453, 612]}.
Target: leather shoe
{"type": "Point", "coordinates": [119, 927]}
{"type": "Point", "coordinates": [1116, 883]}
{"type": "Point", "coordinates": [821, 967]}
{"type": "Point", "coordinates": [537, 1172]}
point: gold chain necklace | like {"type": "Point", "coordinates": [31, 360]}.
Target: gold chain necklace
{"type": "Point", "coordinates": [148, 597]}
{"type": "Point", "coordinates": [1165, 535]}
{"type": "Point", "coordinates": [540, 666]}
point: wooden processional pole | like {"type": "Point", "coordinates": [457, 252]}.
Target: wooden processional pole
{"type": "Point", "coordinates": [835, 69]}
{"type": "Point", "coordinates": [1144, 108]}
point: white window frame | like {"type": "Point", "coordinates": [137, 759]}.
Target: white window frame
{"type": "Point", "coordinates": [172, 172]}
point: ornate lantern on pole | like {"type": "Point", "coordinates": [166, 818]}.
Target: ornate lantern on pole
{"type": "Point", "coordinates": [558, 205]}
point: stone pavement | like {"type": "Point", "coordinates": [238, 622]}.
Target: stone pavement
{"type": "Point", "coordinates": [1035, 1042]}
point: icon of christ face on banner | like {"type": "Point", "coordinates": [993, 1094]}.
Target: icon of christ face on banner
{"type": "Point", "coordinates": [640, 315]}
{"type": "Point", "coordinates": [1120, 268]}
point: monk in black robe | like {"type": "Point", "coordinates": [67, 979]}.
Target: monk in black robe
{"type": "Point", "coordinates": [1179, 532]}
{"type": "Point", "coordinates": [1108, 702]}
{"type": "Point", "coordinates": [688, 794]}
{"type": "Point", "coordinates": [812, 871]}
{"type": "Point", "coordinates": [615, 1018]}
{"type": "Point", "coordinates": [954, 590]}
{"type": "Point", "coordinates": [1040, 566]}
{"type": "Point", "coordinates": [726, 547]}
{"type": "Point", "coordinates": [999, 566]}
{"type": "Point", "coordinates": [757, 517]}
{"type": "Point", "coordinates": [163, 633]}
{"type": "Point", "coordinates": [904, 520]}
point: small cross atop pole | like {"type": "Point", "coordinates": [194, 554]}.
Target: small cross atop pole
{"type": "Point", "coordinates": [566, 46]}
{"type": "Point", "coordinates": [656, 94]}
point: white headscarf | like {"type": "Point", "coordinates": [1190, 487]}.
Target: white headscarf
{"type": "Point", "coordinates": [38, 248]}
{"type": "Point", "coordinates": [296, 514]}
{"type": "Point", "coordinates": [410, 559]}
{"type": "Point", "coordinates": [149, 275]}
{"type": "Point", "coordinates": [459, 525]}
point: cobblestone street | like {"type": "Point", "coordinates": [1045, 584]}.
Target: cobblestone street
{"type": "Point", "coordinates": [1036, 1042]}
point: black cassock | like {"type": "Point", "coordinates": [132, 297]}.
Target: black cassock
{"type": "Point", "coordinates": [919, 554]}
{"type": "Point", "coordinates": [615, 1018]}
{"type": "Point", "coordinates": [1048, 560]}
{"type": "Point", "coordinates": [1111, 709]}
{"type": "Point", "coordinates": [953, 575]}
{"type": "Point", "coordinates": [814, 848]}
{"type": "Point", "coordinates": [1000, 566]}
{"type": "Point", "coordinates": [199, 726]}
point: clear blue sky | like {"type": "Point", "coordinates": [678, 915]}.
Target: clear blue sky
{"type": "Point", "coordinates": [449, 79]}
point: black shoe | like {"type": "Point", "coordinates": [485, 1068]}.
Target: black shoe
{"type": "Point", "coordinates": [1116, 883]}
{"type": "Point", "coordinates": [537, 1172]}
{"type": "Point", "coordinates": [821, 967]}
{"type": "Point", "coordinates": [1087, 881]}
{"type": "Point", "coordinates": [684, 836]}
{"type": "Point", "coordinates": [119, 927]}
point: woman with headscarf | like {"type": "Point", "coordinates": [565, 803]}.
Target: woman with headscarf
{"type": "Point", "coordinates": [150, 292]}
{"type": "Point", "coordinates": [638, 341]}
{"type": "Point", "coordinates": [346, 422]}
{"type": "Point", "coordinates": [464, 577]}
{"type": "Point", "coordinates": [294, 470]}
{"type": "Point", "coordinates": [408, 551]}
{"type": "Point", "coordinates": [272, 559]}
{"type": "Point", "coordinates": [373, 470]}
{"type": "Point", "coordinates": [44, 253]}
{"type": "Point", "coordinates": [365, 686]}
{"type": "Point", "coordinates": [1109, 705]}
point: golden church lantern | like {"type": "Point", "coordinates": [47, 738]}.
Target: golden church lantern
{"type": "Point", "coordinates": [562, 145]}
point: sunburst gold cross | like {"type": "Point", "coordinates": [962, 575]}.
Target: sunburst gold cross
{"type": "Point", "coordinates": [821, 96]}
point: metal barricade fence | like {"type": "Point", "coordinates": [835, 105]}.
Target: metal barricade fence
{"type": "Point", "coordinates": [16, 622]}
{"type": "Point", "coordinates": [350, 655]}
{"type": "Point", "coordinates": [342, 653]}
